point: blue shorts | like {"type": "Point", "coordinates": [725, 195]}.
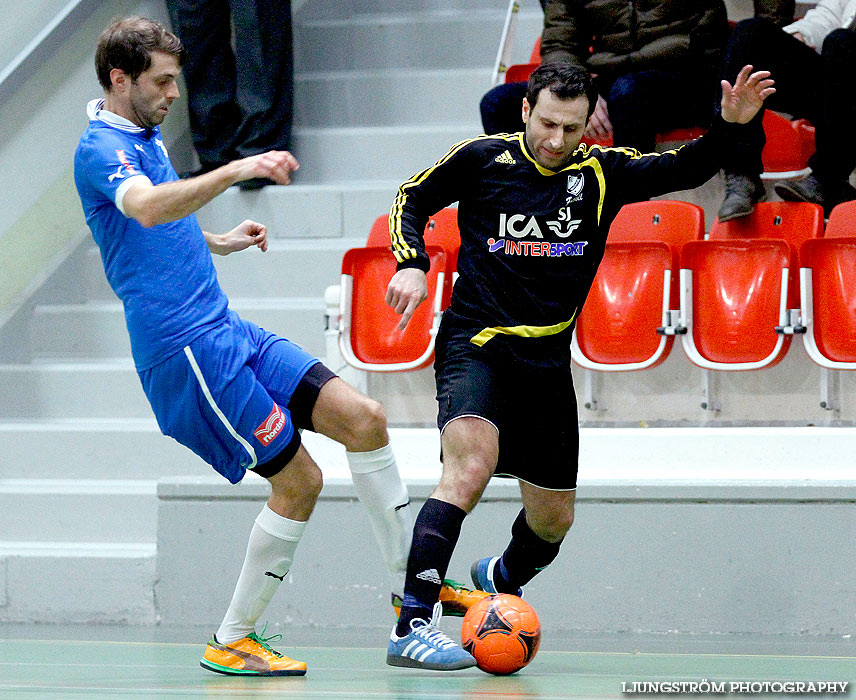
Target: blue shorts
{"type": "Point", "coordinates": [226, 395]}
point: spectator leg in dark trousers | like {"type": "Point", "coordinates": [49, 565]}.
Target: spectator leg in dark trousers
{"type": "Point", "coordinates": [502, 108]}
{"type": "Point", "coordinates": [265, 74]}
{"type": "Point", "coordinates": [796, 68]}
{"type": "Point", "coordinates": [240, 103]}
{"type": "Point", "coordinates": [646, 103]}
{"type": "Point", "coordinates": [833, 115]}
{"type": "Point", "coordinates": [209, 73]}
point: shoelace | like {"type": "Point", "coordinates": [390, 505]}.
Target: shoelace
{"type": "Point", "coordinates": [263, 641]}
{"type": "Point", "coordinates": [429, 630]}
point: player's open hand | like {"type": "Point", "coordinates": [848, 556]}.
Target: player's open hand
{"type": "Point", "coordinates": [274, 165]}
{"type": "Point", "coordinates": [407, 289]}
{"type": "Point", "coordinates": [742, 101]}
{"type": "Point", "coordinates": [244, 235]}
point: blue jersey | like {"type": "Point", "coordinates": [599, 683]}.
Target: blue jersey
{"type": "Point", "coordinates": [164, 275]}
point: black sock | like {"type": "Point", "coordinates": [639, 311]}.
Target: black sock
{"type": "Point", "coordinates": [435, 534]}
{"type": "Point", "coordinates": [525, 556]}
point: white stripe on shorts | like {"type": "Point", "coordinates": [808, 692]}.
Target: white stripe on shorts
{"type": "Point", "coordinates": [214, 407]}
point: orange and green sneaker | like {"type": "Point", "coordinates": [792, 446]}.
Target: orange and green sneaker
{"type": "Point", "coordinates": [250, 656]}
{"type": "Point", "coordinates": [455, 597]}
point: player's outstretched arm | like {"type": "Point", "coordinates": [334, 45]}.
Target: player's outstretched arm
{"type": "Point", "coordinates": [742, 101]}
{"type": "Point", "coordinates": [247, 233]}
{"type": "Point", "coordinates": [152, 204]}
{"type": "Point", "coordinates": [407, 289]}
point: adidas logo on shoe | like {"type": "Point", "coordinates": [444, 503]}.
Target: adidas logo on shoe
{"type": "Point", "coordinates": [430, 575]}
{"type": "Point", "coordinates": [505, 158]}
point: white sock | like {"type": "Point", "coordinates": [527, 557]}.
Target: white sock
{"type": "Point", "coordinates": [270, 551]}
{"type": "Point", "coordinates": [381, 490]}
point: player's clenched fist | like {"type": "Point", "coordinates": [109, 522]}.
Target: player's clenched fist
{"type": "Point", "coordinates": [275, 165]}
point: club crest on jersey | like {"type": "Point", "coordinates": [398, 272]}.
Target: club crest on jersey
{"type": "Point", "coordinates": [271, 427]}
{"type": "Point", "coordinates": [576, 182]}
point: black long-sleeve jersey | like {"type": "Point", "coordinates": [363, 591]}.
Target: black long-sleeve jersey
{"type": "Point", "coordinates": [532, 238]}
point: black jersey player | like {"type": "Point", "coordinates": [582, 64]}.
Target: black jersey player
{"type": "Point", "coordinates": [534, 212]}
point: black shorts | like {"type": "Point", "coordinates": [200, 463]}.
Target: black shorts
{"type": "Point", "coordinates": [300, 406]}
{"type": "Point", "coordinates": [533, 408]}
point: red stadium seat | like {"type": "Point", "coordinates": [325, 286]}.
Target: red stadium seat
{"type": "Point", "coordinates": [828, 274]}
{"type": "Point", "coordinates": [789, 146]}
{"type": "Point", "coordinates": [737, 289]}
{"type": "Point", "coordinates": [535, 56]}
{"type": "Point", "coordinates": [368, 333]}
{"type": "Point", "coordinates": [441, 230]}
{"type": "Point", "coordinates": [519, 72]}
{"type": "Point", "coordinates": [625, 323]}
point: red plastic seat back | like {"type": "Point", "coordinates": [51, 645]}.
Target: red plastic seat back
{"type": "Point", "coordinates": [736, 297]}
{"type": "Point", "coordinates": [842, 221]}
{"type": "Point", "coordinates": [832, 260]}
{"type": "Point", "coordinates": [618, 324]}
{"type": "Point", "coordinates": [441, 230]}
{"type": "Point", "coordinates": [662, 220]}
{"type": "Point", "coordinates": [792, 222]}
{"type": "Point", "coordinates": [374, 334]}
{"type": "Point", "coordinates": [379, 233]}
{"type": "Point", "coordinates": [833, 271]}
{"type": "Point", "coordinates": [789, 143]}
{"type": "Point", "coordinates": [671, 222]}
{"type": "Point", "coordinates": [520, 72]}
{"type": "Point", "coordinates": [535, 56]}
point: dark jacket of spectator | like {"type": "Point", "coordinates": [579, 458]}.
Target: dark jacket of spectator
{"type": "Point", "coordinates": [636, 35]}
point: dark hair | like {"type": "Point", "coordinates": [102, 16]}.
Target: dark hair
{"type": "Point", "coordinates": [128, 44]}
{"type": "Point", "coordinates": [565, 80]}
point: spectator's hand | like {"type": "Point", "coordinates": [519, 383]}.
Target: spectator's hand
{"type": "Point", "coordinates": [801, 37]}
{"type": "Point", "coordinates": [247, 233]}
{"type": "Point", "coordinates": [275, 165]}
{"type": "Point", "coordinates": [742, 101]}
{"type": "Point", "coordinates": [599, 125]}
{"type": "Point", "coordinates": [407, 289]}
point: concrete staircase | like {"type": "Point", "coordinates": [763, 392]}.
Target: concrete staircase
{"type": "Point", "coordinates": [383, 87]}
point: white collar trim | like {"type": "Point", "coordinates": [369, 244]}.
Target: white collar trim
{"type": "Point", "coordinates": [95, 111]}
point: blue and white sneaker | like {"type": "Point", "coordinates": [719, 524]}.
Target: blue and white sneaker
{"type": "Point", "coordinates": [427, 647]}
{"type": "Point", "coordinates": [482, 574]}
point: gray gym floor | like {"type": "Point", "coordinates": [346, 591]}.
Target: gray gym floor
{"type": "Point", "coordinates": [42, 661]}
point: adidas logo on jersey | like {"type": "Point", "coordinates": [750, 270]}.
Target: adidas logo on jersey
{"type": "Point", "coordinates": [505, 158]}
{"type": "Point", "coordinates": [430, 575]}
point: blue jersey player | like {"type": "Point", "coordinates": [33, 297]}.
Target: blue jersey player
{"type": "Point", "coordinates": [232, 392]}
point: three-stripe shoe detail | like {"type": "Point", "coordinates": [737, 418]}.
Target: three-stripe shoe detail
{"type": "Point", "coordinates": [420, 651]}
{"type": "Point", "coordinates": [426, 646]}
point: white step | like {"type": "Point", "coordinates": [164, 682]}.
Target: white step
{"type": "Point", "coordinates": [410, 38]}
{"type": "Point", "coordinates": [98, 330]}
{"type": "Point", "coordinates": [389, 153]}
{"type": "Point", "coordinates": [316, 205]}
{"type": "Point", "coordinates": [289, 268]}
{"type": "Point", "coordinates": [301, 268]}
{"type": "Point", "coordinates": [336, 9]}
{"type": "Point", "coordinates": [376, 97]}
{"type": "Point", "coordinates": [78, 510]}
{"type": "Point", "coordinates": [68, 582]}
{"type": "Point", "coordinates": [95, 448]}
{"type": "Point", "coordinates": [72, 390]}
